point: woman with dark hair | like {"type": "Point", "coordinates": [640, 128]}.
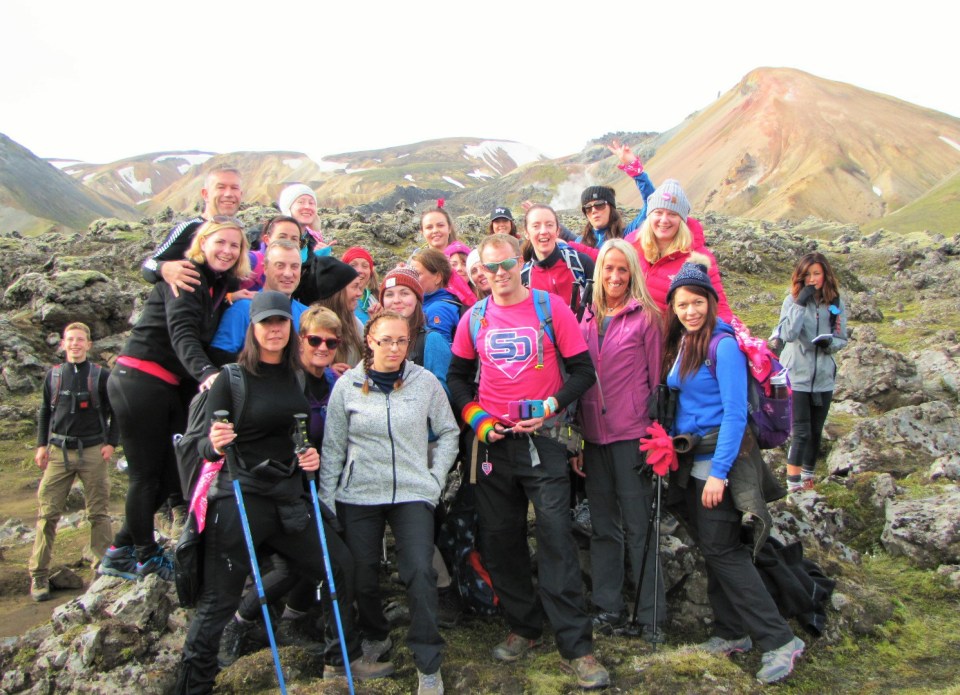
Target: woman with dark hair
{"type": "Point", "coordinates": [271, 475]}
{"type": "Point", "coordinates": [343, 303]}
{"type": "Point", "coordinates": [721, 478]}
{"type": "Point", "coordinates": [813, 326]}
{"type": "Point", "coordinates": [442, 307]}
{"type": "Point", "coordinates": [377, 470]}
{"type": "Point", "coordinates": [622, 330]}
{"type": "Point", "coordinates": [501, 222]}
{"type": "Point", "coordinates": [157, 373]}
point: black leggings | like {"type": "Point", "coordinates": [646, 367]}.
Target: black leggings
{"type": "Point", "coordinates": [149, 412]}
{"type": "Point", "coordinates": [809, 415]}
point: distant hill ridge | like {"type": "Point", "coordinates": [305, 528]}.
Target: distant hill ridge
{"type": "Point", "coordinates": [780, 145]}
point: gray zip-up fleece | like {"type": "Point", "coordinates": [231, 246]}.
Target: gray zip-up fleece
{"type": "Point", "coordinates": [812, 369]}
{"type": "Point", "coordinates": [375, 445]}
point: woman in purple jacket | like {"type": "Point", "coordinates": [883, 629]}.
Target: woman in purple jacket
{"type": "Point", "coordinates": [622, 331]}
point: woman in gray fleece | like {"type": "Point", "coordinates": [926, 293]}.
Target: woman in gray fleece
{"type": "Point", "coordinates": [375, 468]}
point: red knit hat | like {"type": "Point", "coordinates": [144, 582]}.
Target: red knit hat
{"type": "Point", "coordinates": [406, 277]}
{"type": "Point", "coordinates": [355, 252]}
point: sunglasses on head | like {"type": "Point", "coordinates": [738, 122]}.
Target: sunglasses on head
{"type": "Point", "coordinates": [316, 341]}
{"type": "Point", "coordinates": [506, 264]}
{"type": "Point", "coordinates": [596, 205]}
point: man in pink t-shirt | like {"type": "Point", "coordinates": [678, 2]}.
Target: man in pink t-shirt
{"type": "Point", "coordinates": [518, 361]}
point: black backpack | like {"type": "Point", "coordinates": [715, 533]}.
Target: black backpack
{"type": "Point", "coordinates": [93, 387]}
{"type": "Point", "coordinates": [186, 445]}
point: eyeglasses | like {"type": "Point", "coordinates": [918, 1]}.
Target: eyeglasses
{"type": "Point", "coordinates": [596, 205]}
{"type": "Point", "coordinates": [316, 341]}
{"type": "Point", "coordinates": [506, 264]}
{"type": "Point", "coordinates": [401, 343]}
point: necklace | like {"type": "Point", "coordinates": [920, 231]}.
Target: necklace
{"type": "Point", "coordinates": [618, 307]}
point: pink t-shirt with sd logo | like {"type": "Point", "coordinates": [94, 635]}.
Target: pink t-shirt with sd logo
{"type": "Point", "coordinates": [507, 344]}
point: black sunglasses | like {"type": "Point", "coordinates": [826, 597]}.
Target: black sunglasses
{"type": "Point", "coordinates": [316, 341]}
{"type": "Point", "coordinates": [598, 205]}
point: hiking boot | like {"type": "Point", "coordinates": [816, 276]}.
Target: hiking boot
{"type": "Point", "coordinates": [39, 588]}
{"type": "Point", "coordinates": [725, 647]}
{"type": "Point", "coordinates": [360, 669]}
{"type": "Point", "coordinates": [159, 563]}
{"type": "Point", "coordinates": [234, 641]}
{"type": "Point", "coordinates": [448, 607]}
{"type": "Point", "coordinates": [608, 622]}
{"type": "Point", "coordinates": [374, 650]}
{"type": "Point", "coordinates": [119, 562]}
{"type": "Point", "coordinates": [429, 683]}
{"type": "Point", "coordinates": [777, 664]}
{"type": "Point", "coordinates": [582, 522]}
{"type": "Point", "coordinates": [514, 647]}
{"type": "Point", "coordinates": [297, 633]}
{"type": "Point", "coordinates": [589, 672]}
{"type": "Point", "coordinates": [808, 482]}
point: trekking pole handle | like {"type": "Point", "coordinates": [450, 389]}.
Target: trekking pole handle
{"type": "Point", "coordinates": [301, 439]}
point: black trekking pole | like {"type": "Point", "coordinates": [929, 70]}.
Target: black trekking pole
{"type": "Point", "coordinates": [302, 444]}
{"type": "Point", "coordinates": [230, 455]}
{"type": "Point", "coordinates": [653, 529]}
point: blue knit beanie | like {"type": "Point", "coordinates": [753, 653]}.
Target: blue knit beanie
{"type": "Point", "coordinates": [693, 272]}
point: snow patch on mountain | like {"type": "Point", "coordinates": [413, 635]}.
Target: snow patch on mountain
{"type": "Point", "coordinates": [489, 151]}
{"type": "Point", "coordinates": [878, 191]}
{"type": "Point", "coordinates": [950, 142]}
{"type": "Point", "coordinates": [191, 159]}
{"type": "Point", "coordinates": [479, 175]}
{"type": "Point", "coordinates": [144, 188]}
{"type": "Point", "coordinates": [453, 182]}
{"type": "Point", "coordinates": [409, 177]}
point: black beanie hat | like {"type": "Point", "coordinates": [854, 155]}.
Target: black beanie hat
{"type": "Point", "coordinates": [693, 273]}
{"type": "Point", "coordinates": [323, 277]}
{"type": "Point", "coordinates": [604, 193]}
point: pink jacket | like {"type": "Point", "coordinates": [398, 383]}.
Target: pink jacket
{"type": "Point", "coordinates": [628, 370]}
{"type": "Point", "coordinates": [659, 275]}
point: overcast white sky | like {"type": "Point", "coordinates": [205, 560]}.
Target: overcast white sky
{"type": "Point", "coordinates": [106, 80]}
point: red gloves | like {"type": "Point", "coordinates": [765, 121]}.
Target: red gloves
{"type": "Point", "coordinates": [661, 455]}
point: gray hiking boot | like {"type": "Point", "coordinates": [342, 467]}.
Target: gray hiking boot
{"type": "Point", "coordinates": [39, 588]}
{"type": "Point", "coordinates": [725, 647]}
{"type": "Point", "coordinates": [777, 664]}
{"type": "Point", "coordinates": [590, 673]}
{"type": "Point", "coordinates": [374, 650]}
{"type": "Point", "coordinates": [429, 683]}
{"type": "Point", "coordinates": [514, 647]}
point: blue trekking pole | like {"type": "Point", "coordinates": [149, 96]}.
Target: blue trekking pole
{"type": "Point", "coordinates": [230, 454]}
{"type": "Point", "coordinates": [301, 440]}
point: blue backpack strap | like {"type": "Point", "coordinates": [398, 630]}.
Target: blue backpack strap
{"type": "Point", "coordinates": [476, 319]}
{"type": "Point", "coordinates": [541, 304]}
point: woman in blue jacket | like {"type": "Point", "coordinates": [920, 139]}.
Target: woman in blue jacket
{"type": "Point", "coordinates": [714, 408]}
{"type": "Point", "coordinates": [622, 331]}
{"type": "Point", "coordinates": [813, 326]}
{"type": "Point", "coordinates": [442, 307]}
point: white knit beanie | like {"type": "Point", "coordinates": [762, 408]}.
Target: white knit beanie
{"type": "Point", "coordinates": [291, 193]}
{"type": "Point", "coordinates": [669, 196]}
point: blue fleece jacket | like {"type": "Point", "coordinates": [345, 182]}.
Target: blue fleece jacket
{"type": "Point", "coordinates": [232, 330]}
{"type": "Point", "coordinates": [442, 310]}
{"type": "Point", "coordinates": [706, 403]}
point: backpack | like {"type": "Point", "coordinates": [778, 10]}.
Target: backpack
{"type": "Point", "coordinates": [770, 418]}
{"type": "Point", "coordinates": [580, 279]}
{"type": "Point", "coordinates": [186, 445]}
{"type": "Point", "coordinates": [93, 388]}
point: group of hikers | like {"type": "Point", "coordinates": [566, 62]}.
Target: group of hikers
{"type": "Point", "coordinates": [515, 373]}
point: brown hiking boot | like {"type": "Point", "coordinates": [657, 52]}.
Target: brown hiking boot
{"type": "Point", "coordinates": [39, 588]}
{"type": "Point", "coordinates": [514, 647]}
{"type": "Point", "coordinates": [361, 670]}
{"type": "Point", "coordinates": [589, 672]}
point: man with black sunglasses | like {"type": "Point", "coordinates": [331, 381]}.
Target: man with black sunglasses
{"type": "Point", "coordinates": [281, 273]}
{"type": "Point", "coordinates": [519, 336]}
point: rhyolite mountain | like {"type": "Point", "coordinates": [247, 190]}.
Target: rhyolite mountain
{"type": "Point", "coordinates": [780, 145]}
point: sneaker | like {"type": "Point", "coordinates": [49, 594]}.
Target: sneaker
{"type": "Point", "coordinates": [160, 564]}
{"type": "Point", "coordinates": [448, 607]}
{"type": "Point", "coordinates": [234, 641]}
{"type": "Point", "coordinates": [360, 669]}
{"type": "Point", "coordinates": [514, 647]}
{"type": "Point", "coordinates": [119, 562]}
{"type": "Point", "coordinates": [374, 650]}
{"type": "Point", "coordinates": [808, 482]}
{"type": "Point", "coordinates": [589, 672]}
{"type": "Point", "coordinates": [39, 588]}
{"type": "Point", "coordinates": [582, 522]}
{"type": "Point", "coordinates": [429, 683]}
{"type": "Point", "coordinates": [777, 664]}
{"type": "Point", "coordinates": [607, 623]}
{"type": "Point", "coordinates": [725, 647]}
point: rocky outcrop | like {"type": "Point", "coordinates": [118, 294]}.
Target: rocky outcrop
{"type": "Point", "coordinates": [871, 373]}
{"type": "Point", "coordinates": [925, 530]}
{"type": "Point", "coordinates": [899, 442]}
